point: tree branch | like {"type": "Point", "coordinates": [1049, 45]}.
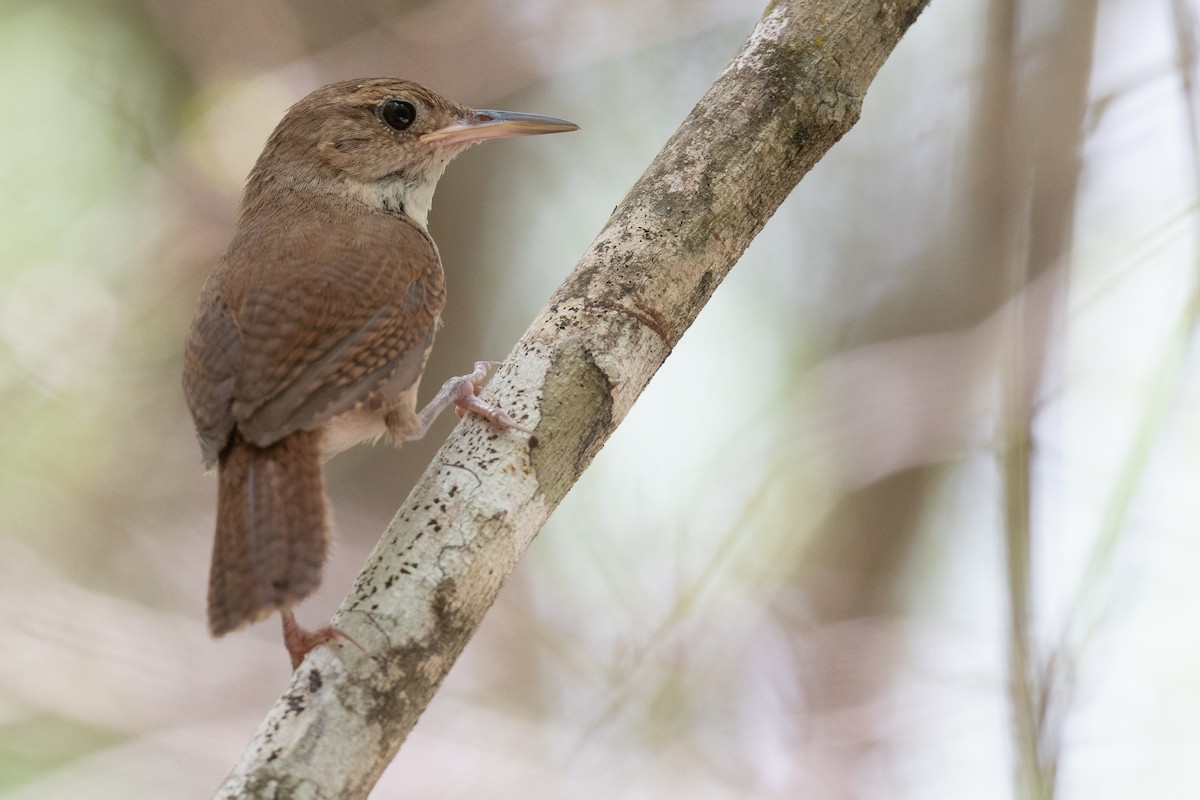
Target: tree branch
{"type": "Point", "coordinates": [794, 89]}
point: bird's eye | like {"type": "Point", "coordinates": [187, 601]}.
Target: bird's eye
{"type": "Point", "coordinates": [398, 114]}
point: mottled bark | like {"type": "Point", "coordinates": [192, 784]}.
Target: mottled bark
{"type": "Point", "coordinates": [794, 89]}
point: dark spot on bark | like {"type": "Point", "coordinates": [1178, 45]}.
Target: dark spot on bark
{"type": "Point", "coordinates": [412, 660]}
{"type": "Point", "coordinates": [704, 288]}
{"type": "Point", "coordinates": [651, 318]}
{"type": "Point", "coordinates": [294, 702]}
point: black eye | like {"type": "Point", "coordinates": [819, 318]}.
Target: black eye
{"type": "Point", "coordinates": [398, 114]}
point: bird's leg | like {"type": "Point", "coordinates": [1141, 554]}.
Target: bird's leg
{"type": "Point", "coordinates": [299, 641]}
{"type": "Point", "coordinates": [463, 393]}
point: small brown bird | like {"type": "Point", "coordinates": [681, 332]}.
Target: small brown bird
{"type": "Point", "coordinates": [312, 332]}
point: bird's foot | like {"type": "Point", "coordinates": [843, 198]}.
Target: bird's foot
{"type": "Point", "coordinates": [299, 641]}
{"type": "Point", "coordinates": [464, 393]}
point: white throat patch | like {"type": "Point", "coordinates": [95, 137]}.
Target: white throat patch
{"type": "Point", "coordinates": [413, 196]}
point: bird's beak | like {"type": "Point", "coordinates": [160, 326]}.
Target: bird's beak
{"type": "Point", "coordinates": [482, 124]}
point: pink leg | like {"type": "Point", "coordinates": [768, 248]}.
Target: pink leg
{"type": "Point", "coordinates": [463, 393]}
{"type": "Point", "coordinates": [299, 641]}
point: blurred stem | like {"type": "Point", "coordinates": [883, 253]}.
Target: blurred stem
{"type": "Point", "coordinates": [1164, 384]}
{"type": "Point", "coordinates": [1165, 380]}
{"type": "Point", "coordinates": [1035, 778]}
{"type": "Point", "coordinates": [1000, 132]}
{"type": "Point", "coordinates": [1040, 139]}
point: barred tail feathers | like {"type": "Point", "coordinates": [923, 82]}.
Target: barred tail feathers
{"type": "Point", "coordinates": [272, 530]}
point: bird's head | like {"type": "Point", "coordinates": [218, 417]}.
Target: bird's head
{"type": "Point", "coordinates": [382, 141]}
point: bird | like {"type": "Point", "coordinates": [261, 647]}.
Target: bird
{"type": "Point", "coordinates": [313, 330]}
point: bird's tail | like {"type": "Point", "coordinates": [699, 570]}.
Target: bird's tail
{"type": "Point", "coordinates": [272, 530]}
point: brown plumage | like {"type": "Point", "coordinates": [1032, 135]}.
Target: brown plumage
{"type": "Point", "coordinates": [272, 529]}
{"type": "Point", "coordinates": [313, 330]}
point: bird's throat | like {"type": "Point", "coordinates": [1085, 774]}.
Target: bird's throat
{"type": "Point", "coordinates": [403, 193]}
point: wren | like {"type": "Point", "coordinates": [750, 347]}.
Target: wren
{"type": "Point", "coordinates": [313, 330]}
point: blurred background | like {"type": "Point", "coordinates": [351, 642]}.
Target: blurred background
{"type": "Point", "coordinates": [911, 512]}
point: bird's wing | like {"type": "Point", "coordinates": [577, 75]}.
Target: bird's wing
{"type": "Point", "coordinates": [210, 360]}
{"type": "Point", "coordinates": [343, 310]}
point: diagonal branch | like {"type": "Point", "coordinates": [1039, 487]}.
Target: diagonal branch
{"type": "Point", "coordinates": [794, 89]}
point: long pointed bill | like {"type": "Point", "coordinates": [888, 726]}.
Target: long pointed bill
{"type": "Point", "coordinates": [483, 124]}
